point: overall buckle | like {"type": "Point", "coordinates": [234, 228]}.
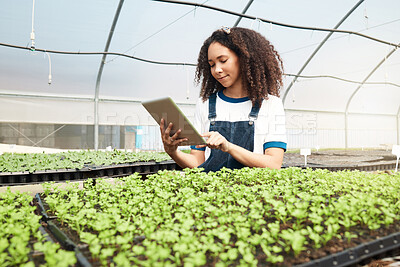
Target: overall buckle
{"type": "Point", "coordinates": [252, 119]}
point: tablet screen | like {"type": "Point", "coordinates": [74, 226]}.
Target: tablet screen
{"type": "Point", "coordinates": [167, 109]}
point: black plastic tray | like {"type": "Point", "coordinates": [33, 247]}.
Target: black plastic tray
{"type": "Point", "coordinates": [363, 252]}
{"type": "Point", "coordinates": [67, 244]}
{"type": "Point", "coordinates": [371, 167]}
{"type": "Point", "coordinates": [143, 168]}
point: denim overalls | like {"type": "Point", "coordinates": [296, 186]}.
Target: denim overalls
{"type": "Point", "coordinates": [240, 133]}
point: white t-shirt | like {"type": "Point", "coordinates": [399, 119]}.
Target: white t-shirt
{"type": "Point", "coordinates": [270, 130]}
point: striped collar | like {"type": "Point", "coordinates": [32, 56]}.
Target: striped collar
{"type": "Point", "coordinates": [232, 100]}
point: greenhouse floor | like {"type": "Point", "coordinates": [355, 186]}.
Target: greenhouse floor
{"type": "Point", "coordinates": [337, 157]}
{"type": "Point", "coordinates": [10, 148]}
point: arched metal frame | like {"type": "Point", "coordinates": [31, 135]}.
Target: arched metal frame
{"type": "Point", "coordinates": [346, 113]}
{"type": "Point", "coordinates": [278, 23]}
{"type": "Point", "coordinates": [243, 12]}
{"type": "Point", "coordinates": [98, 81]}
{"type": "Point", "coordinates": [318, 48]}
{"type": "Point", "coordinates": [96, 99]}
{"type": "Point", "coordinates": [331, 31]}
{"type": "Point", "coordinates": [103, 60]}
{"type": "Point", "coordinates": [99, 74]}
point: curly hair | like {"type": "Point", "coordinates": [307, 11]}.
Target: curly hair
{"type": "Point", "coordinates": [261, 67]}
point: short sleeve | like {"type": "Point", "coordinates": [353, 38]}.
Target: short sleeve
{"type": "Point", "coordinates": [273, 124]}
{"type": "Point", "coordinates": [199, 120]}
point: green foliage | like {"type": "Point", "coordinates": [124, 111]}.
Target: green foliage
{"type": "Point", "coordinates": [54, 256]}
{"type": "Point", "coordinates": [18, 162]}
{"type": "Point", "coordinates": [20, 229]}
{"type": "Point", "coordinates": [227, 217]}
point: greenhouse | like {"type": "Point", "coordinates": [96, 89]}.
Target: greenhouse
{"type": "Point", "coordinates": [88, 179]}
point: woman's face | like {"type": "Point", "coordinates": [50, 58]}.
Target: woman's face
{"type": "Point", "coordinates": [224, 65]}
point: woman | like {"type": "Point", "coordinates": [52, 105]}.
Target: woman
{"type": "Point", "coordinates": [239, 112]}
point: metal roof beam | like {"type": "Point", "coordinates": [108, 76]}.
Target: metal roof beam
{"type": "Point", "coordinates": [243, 12]}
{"type": "Point", "coordinates": [99, 74]}
{"type": "Point", "coordinates": [358, 88]}
{"type": "Point", "coordinates": [318, 48]}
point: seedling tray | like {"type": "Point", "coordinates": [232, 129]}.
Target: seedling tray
{"type": "Point", "coordinates": [370, 167]}
{"type": "Point", "coordinates": [37, 257]}
{"type": "Point", "coordinates": [49, 227]}
{"type": "Point", "coordinates": [42, 211]}
{"type": "Point", "coordinates": [361, 253]}
{"type": "Point", "coordinates": [143, 168]}
{"type": "Point", "coordinates": [67, 244]}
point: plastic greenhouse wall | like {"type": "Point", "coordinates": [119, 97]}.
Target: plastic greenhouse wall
{"type": "Point", "coordinates": [126, 125]}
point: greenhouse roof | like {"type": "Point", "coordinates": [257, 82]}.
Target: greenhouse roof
{"type": "Point", "coordinates": [153, 47]}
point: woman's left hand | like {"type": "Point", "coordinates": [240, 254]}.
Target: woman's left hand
{"type": "Point", "coordinates": [216, 141]}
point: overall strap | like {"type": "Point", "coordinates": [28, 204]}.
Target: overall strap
{"type": "Point", "coordinates": [254, 113]}
{"type": "Point", "coordinates": [212, 114]}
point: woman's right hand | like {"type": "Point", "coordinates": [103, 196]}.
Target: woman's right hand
{"type": "Point", "coordinates": [170, 143]}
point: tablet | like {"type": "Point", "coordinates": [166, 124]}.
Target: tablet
{"type": "Point", "coordinates": [167, 109]}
